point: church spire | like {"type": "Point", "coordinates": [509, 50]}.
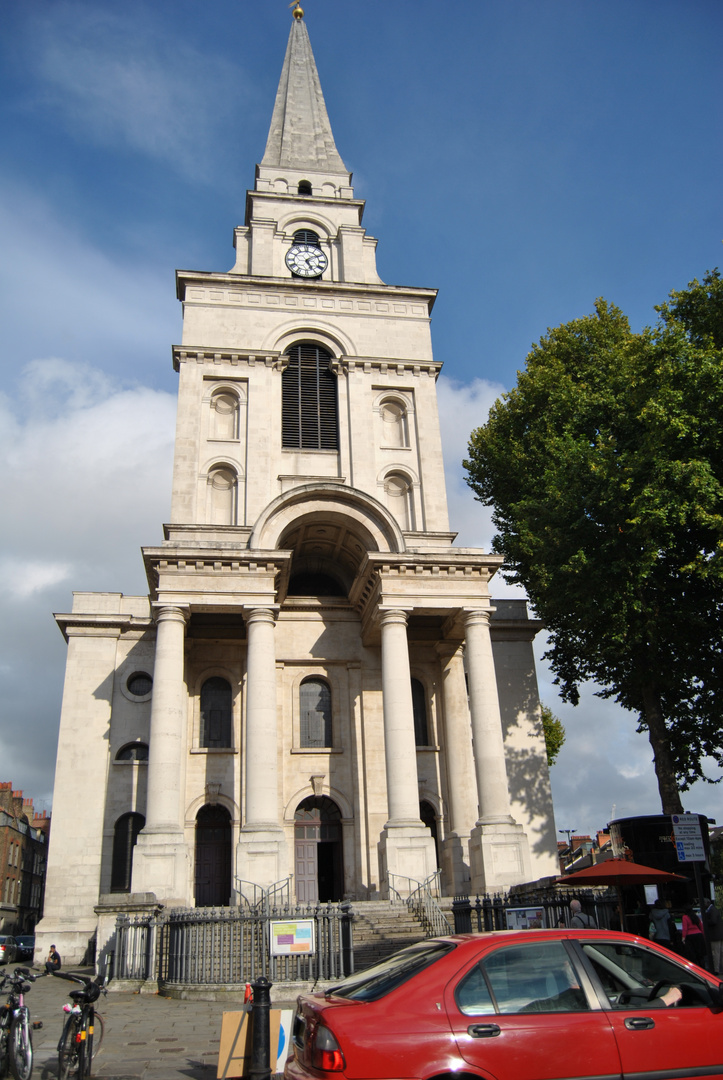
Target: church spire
{"type": "Point", "coordinates": [300, 136]}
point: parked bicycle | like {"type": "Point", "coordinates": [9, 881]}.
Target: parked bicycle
{"type": "Point", "coordinates": [83, 1027]}
{"type": "Point", "coordinates": [16, 1041]}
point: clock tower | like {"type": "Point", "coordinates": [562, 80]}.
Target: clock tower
{"type": "Point", "coordinates": [318, 686]}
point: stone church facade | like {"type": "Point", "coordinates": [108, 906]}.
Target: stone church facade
{"type": "Point", "coordinates": [317, 685]}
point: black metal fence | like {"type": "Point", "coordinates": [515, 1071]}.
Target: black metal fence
{"type": "Point", "coordinates": [487, 913]}
{"type": "Point", "coordinates": [222, 946]}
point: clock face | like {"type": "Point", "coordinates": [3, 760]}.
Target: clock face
{"type": "Point", "coordinates": [306, 260]}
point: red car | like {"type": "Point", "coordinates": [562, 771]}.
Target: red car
{"type": "Point", "coordinates": [526, 1005]}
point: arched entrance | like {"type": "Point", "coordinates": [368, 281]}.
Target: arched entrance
{"type": "Point", "coordinates": [213, 857]}
{"type": "Point", "coordinates": [429, 818]}
{"type": "Point", "coordinates": [318, 852]}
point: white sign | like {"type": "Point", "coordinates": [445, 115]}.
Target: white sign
{"type": "Point", "coordinates": [688, 838]}
{"type": "Point", "coordinates": [291, 937]}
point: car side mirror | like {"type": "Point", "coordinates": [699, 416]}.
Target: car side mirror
{"type": "Point", "coordinates": [716, 994]}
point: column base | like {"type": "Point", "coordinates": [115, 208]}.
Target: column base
{"type": "Point", "coordinates": [73, 938]}
{"type": "Point", "coordinates": [499, 856]}
{"type": "Point", "coordinates": [406, 851]}
{"type": "Point", "coordinates": [161, 868]}
{"type": "Point", "coordinates": [456, 875]}
{"type": "Point", "coordinates": [262, 856]}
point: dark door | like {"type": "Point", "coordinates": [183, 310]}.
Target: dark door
{"type": "Point", "coordinates": [213, 857]}
{"type": "Point", "coordinates": [318, 854]}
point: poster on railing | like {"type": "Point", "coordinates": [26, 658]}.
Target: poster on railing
{"type": "Point", "coordinates": [292, 937]}
{"type": "Point", "coordinates": [525, 918]}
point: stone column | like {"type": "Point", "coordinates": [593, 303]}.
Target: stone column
{"type": "Point", "coordinates": [262, 856]}
{"type": "Point", "coordinates": [160, 859]}
{"type": "Point", "coordinates": [461, 784]}
{"type": "Point", "coordinates": [407, 846]}
{"type": "Point", "coordinates": [499, 849]}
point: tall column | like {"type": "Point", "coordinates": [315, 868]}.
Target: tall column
{"type": "Point", "coordinates": [262, 855]}
{"type": "Point", "coordinates": [461, 787]}
{"type": "Point", "coordinates": [160, 859]}
{"type": "Point", "coordinates": [499, 849]}
{"type": "Point", "coordinates": [406, 846]}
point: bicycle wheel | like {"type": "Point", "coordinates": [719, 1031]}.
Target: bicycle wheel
{"type": "Point", "coordinates": [21, 1048]}
{"type": "Point", "coordinates": [98, 1032]}
{"type": "Point", "coordinates": [68, 1050]}
{"type": "Point", "coordinates": [85, 1050]}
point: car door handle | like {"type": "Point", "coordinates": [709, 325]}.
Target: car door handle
{"type": "Point", "coordinates": [483, 1031]}
{"type": "Point", "coordinates": [639, 1023]}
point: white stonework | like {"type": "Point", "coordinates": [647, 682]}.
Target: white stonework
{"type": "Point", "coordinates": [318, 684]}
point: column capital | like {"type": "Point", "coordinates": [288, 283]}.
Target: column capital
{"type": "Point", "coordinates": [391, 616]}
{"type": "Point", "coordinates": [265, 614]}
{"type": "Point", "coordinates": [447, 650]}
{"type": "Point", "coordinates": [478, 616]}
{"type": "Point", "coordinates": [170, 612]}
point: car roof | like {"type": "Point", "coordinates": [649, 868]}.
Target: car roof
{"type": "Point", "coordinates": [520, 936]}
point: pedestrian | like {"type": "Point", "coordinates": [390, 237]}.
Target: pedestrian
{"type": "Point", "coordinates": [660, 923]}
{"type": "Point", "coordinates": [53, 962]}
{"type": "Point", "coordinates": [579, 920]}
{"type": "Point", "coordinates": [714, 932]}
{"type": "Point", "coordinates": [693, 939]}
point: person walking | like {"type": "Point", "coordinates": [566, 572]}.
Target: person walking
{"type": "Point", "coordinates": [714, 932]}
{"type": "Point", "coordinates": [579, 920]}
{"type": "Point", "coordinates": [693, 939]}
{"type": "Point", "coordinates": [660, 920]}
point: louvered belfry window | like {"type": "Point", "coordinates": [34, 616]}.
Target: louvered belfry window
{"type": "Point", "coordinates": [308, 400]}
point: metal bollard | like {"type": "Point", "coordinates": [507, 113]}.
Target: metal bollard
{"type": "Point", "coordinates": [260, 1035]}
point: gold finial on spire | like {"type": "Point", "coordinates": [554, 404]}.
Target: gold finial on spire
{"type": "Point", "coordinates": [298, 11]}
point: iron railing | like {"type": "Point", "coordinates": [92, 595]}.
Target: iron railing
{"type": "Point", "coordinates": [489, 912]}
{"type": "Point", "coordinates": [212, 946]}
{"type": "Point", "coordinates": [421, 899]}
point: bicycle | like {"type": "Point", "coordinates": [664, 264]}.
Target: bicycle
{"type": "Point", "coordinates": [16, 1041]}
{"type": "Point", "coordinates": [78, 1045]}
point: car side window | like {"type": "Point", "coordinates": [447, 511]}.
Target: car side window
{"type": "Point", "coordinates": [629, 973]}
{"type": "Point", "coordinates": [537, 977]}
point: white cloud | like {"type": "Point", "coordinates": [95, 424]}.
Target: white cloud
{"type": "Point", "coordinates": [124, 84]}
{"type": "Point", "coordinates": [22, 578]}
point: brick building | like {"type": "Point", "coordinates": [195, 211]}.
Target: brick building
{"type": "Point", "coordinates": [23, 859]}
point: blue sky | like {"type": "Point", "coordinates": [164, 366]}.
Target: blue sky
{"type": "Point", "coordinates": [522, 157]}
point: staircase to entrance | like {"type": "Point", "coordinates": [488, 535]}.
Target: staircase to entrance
{"type": "Point", "coordinates": [383, 927]}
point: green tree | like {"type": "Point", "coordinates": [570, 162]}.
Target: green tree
{"type": "Point", "coordinates": [554, 731]}
{"type": "Point", "coordinates": [605, 470]}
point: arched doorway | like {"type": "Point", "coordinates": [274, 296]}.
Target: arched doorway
{"type": "Point", "coordinates": [318, 852]}
{"type": "Point", "coordinates": [429, 818]}
{"type": "Point", "coordinates": [213, 857]}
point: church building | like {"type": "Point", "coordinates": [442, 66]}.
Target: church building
{"type": "Point", "coordinates": [318, 686]}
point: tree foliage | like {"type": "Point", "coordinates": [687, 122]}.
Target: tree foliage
{"type": "Point", "coordinates": [604, 466]}
{"type": "Point", "coordinates": [554, 732]}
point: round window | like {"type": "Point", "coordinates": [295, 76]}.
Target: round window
{"type": "Point", "coordinates": [139, 684]}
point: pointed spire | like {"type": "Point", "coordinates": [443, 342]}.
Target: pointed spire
{"type": "Point", "coordinates": [300, 135]}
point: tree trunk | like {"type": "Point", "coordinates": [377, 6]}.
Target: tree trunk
{"type": "Point", "coordinates": [662, 757]}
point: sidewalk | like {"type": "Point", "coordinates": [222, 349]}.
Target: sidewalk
{"type": "Point", "coordinates": [147, 1037]}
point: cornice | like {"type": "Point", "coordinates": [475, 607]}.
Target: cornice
{"type": "Point", "coordinates": [204, 279]}
{"type": "Point", "coordinates": [199, 354]}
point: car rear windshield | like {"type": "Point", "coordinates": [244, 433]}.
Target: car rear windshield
{"type": "Point", "coordinates": [375, 982]}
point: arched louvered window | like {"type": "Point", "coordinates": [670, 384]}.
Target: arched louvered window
{"type": "Point", "coordinates": [315, 710]}
{"type": "Point", "coordinates": [419, 707]}
{"type": "Point", "coordinates": [306, 236]}
{"type": "Point", "coordinates": [304, 187]}
{"type": "Point", "coordinates": [308, 400]}
{"type": "Point", "coordinates": [125, 835]}
{"type": "Point", "coordinates": [216, 713]}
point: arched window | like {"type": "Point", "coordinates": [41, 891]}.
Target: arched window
{"type": "Point", "coordinates": [216, 713]}
{"type": "Point", "coordinates": [222, 497]}
{"type": "Point", "coordinates": [125, 835]}
{"type": "Point", "coordinates": [304, 187]}
{"type": "Point", "coordinates": [306, 236]}
{"type": "Point", "coordinates": [315, 713]}
{"type": "Point", "coordinates": [135, 751]}
{"type": "Point", "coordinates": [224, 415]}
{"type": "Point", "coordinates": [419, 707]}
{"type": "Point", "coordinates": [308, 400]}
{"type": "Point", "coordinates": [394, 424]}
{"type": "Point", "coordinates": [398, 491]}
